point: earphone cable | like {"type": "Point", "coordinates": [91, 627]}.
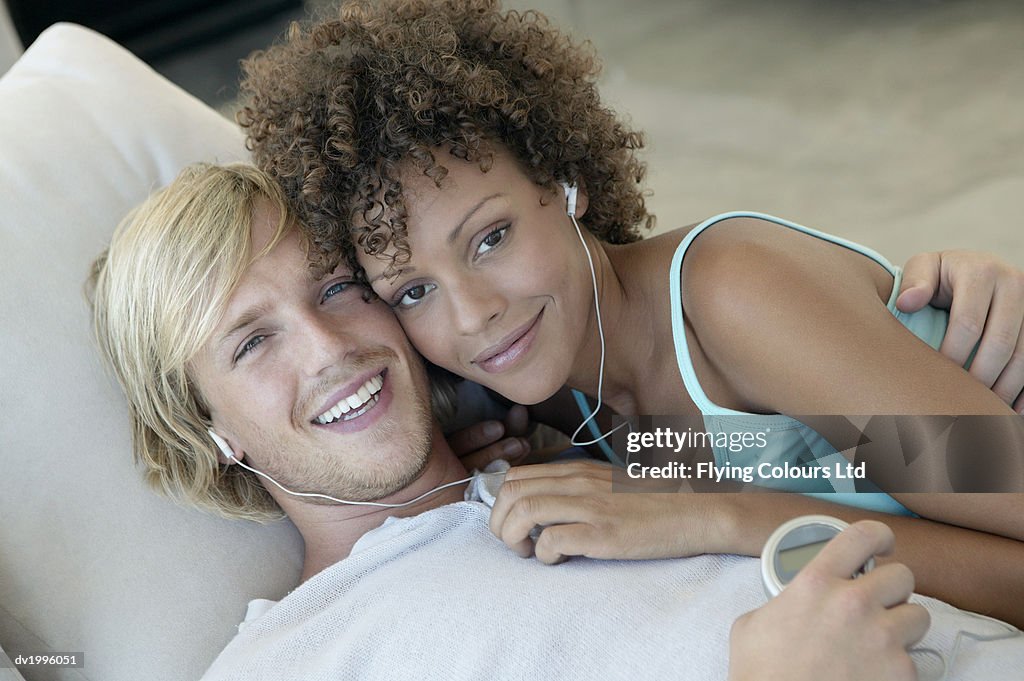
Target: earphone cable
{"type": "Point", "coordinates": [600, 334]}
{"type": "Point", "coordinates": [317, 495]}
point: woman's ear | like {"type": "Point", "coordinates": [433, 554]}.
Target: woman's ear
{"type": "Point", "coordinates": [576, 199]}
{"type": "Point", "coordinates": [227, 454]}
{"type": "Point", "coordinates": [582, 200]}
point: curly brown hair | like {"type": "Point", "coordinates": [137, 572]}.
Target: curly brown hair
{"type": "Point", "coordinates": [339, 108]}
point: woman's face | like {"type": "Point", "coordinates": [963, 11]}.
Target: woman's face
{"type": "Point", "coordinates": [497, 288]}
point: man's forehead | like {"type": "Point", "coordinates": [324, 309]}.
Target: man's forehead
{"type": "Point", "coordinates": [274, 242]}
{"type": "Point", "coordinates": [273, 274]}
{"type": "Point", "coordinates": [266, 224]}
{"type": "Point", "coordinates": [268, 280]}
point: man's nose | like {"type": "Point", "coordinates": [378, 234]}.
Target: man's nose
{"type": "Point", "coordinates": [475, 305]}
{"type": "Point", "coordinates": [327, 341]}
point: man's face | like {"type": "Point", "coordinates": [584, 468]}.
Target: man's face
{"type": "Point", "coordinates": [317, 387]}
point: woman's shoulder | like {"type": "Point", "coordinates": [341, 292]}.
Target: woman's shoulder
{"type": "Point", "coordinates": [728, 234]}
{"type": "Point", "coordinates": [753, 291]}
{"type": "Point", "coordinates": [732, 265]}
{"type": "Point", "coordinates": [748, 255]}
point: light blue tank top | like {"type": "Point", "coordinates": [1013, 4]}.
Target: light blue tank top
{"type": "Point", "coordinates": [789, 441]}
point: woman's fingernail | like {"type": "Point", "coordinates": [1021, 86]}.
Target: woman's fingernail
{"type": "Point", "coordinates": [493, 429]}
{"type": "Point", "coordinates": [512, 447]}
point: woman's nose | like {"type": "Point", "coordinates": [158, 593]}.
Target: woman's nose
{"type": "Point", "coordinates": [475, 306]}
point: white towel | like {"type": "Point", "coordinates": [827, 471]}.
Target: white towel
{"type": "Point", "coordinates": [437, 596]}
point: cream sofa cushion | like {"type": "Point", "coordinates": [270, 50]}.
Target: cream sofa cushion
{"type": "Point", "coordinates": [91, 560]}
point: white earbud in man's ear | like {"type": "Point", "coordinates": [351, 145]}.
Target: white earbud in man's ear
{"type": "Point", "coordinates": [221, 443]}
{"type": "Point", "coordinates": [570, 198]}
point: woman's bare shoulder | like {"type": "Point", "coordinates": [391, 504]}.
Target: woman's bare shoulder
{"type": "Point", "coordinates": [741, 256]}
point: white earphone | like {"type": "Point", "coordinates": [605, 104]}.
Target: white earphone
{"type": "Point", "coordinates": [223, 445]}
{"type": "Point", "coordinates": [570, 198]}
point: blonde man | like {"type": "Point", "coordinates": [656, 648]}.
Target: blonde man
{"type": "Point", "coordinates": [158, 294]}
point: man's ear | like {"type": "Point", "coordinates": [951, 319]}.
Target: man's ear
{"type": "Point", "coordinates": [228, 454]}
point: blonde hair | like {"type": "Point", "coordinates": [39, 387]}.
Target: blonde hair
{"type": "Point", "coordinates": [157, 294]}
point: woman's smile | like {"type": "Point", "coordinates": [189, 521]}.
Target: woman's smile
{"type": "Point", "coordinates": [505, 354]}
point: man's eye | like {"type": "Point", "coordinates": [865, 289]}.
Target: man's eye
{"type": "Point", "coordinates": [335, 289]}
{"type": "Point", "coordinates": [413, 295]}
{"type": "Point", "coordinates": [493, 238]}
{"type": "Point", "coordinates": [249, 346]}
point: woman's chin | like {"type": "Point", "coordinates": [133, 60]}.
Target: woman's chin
{"type": "Point", "coordinates": [526, 395]}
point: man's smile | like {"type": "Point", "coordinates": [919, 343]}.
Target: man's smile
{"type": "Point", "coordinates": [354, 404]}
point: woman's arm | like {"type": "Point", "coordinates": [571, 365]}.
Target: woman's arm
{"type": "Point", "coordinates": [796, 325]}
{"type": "Point", "coordinates": [582, 516]}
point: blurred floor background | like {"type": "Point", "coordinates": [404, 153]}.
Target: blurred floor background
{"type": "Point", "coordinates": [896, 123]}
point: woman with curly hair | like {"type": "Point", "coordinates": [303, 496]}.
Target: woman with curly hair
{"type": "Point", "coordinates": [428, 144]}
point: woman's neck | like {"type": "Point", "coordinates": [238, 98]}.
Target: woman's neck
{"type": "Point", "coordinates": [637, 334]}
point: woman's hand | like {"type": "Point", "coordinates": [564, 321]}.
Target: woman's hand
{"type": "Point", "coordinates": [483, 442]}
{"type": "Point", "coordinates": [985, 298]}
{"type": "Point", "coordinates": [826, 625]}
{"type": "Point", "coordinates": [580, 515]}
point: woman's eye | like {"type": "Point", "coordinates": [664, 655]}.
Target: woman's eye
{"type": "Point", "coordinates": [493, 238]}
{"type": "Point", "coordinates": [413, 295]}
{"type": "Point", "coordinates": [249, 346]}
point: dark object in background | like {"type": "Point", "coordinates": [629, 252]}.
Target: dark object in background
{"type": "Point", "coordinates": [150, 28]}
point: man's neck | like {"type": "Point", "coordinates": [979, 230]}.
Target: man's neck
{"type": "Point", "coordinates": [331, 530]}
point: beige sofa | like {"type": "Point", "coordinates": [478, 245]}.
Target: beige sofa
{"type": "Point", "coordinates": [90, 559]}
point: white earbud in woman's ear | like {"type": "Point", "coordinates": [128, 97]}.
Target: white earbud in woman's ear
{"type": "Point", "coordinates": [570, 198]}
{"type": "Point", "coordinates": [221, 443]}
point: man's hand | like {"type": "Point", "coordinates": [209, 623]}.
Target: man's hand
{"type": "Point", "coordinates": [483, 442]}
{"type": "Point", "coordinates": [826, 625]}
{"type": "Point", "coordinates": [985, 298]}
{"type": "Point", "coordinates": [580, 515]}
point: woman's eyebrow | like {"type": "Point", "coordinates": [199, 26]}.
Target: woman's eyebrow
{"type": "Point", "coordinates": [455, 232]}
{"type": "Point", "coordinates": [451, 237]}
